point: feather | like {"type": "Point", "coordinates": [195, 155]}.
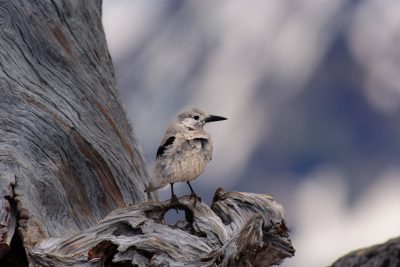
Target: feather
{"type": "Point", "coordinates": [161, 149]}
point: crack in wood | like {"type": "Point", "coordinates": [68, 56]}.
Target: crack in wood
{"type": "Point", "coordinates": [99, 166]}
{"type": "Point", "coordinates": [62, 40]}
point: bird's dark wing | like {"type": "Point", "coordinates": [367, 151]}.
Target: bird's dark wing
{"type": "Point", "coordinates": [161, 149]}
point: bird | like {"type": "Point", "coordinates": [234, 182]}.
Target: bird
{"type": "Point", "coordinates": [184, 152]}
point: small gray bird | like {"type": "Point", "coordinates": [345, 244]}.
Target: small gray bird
{"type": "Point", "coordinates": [184, 152]}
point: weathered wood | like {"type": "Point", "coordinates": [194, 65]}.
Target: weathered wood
{"type": "Point", "coordinates": [67, 155]}
{"type": "Point", "coordinates": [240, 229]}
{"type": "Point", "coordinates": [68, 158]}
{"type": "Point", "coordinates": [8, 213]}
{"type": "Point", "coordinates": [386, 254]}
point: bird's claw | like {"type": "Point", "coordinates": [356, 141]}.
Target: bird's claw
{"type": "Point", "coordinates": [196, 197]}
{"type": "Point", "coordinates": [174, 202]}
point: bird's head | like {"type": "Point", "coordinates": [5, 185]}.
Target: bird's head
{"type": "Point", "coordinates": [195, 119]}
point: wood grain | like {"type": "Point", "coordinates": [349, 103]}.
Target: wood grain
{"type": "Point", "coordinates": [67, 153]}
{"type": "Point", "coordinates": [255, 235]}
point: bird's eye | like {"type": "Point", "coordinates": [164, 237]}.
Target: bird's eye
{"type": "Point", "coordinates": [196, 117]}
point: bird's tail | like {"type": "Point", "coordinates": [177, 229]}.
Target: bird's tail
{"type": "Point", "coordinates": [154, 185]}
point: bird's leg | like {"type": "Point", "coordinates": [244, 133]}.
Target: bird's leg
{"type": "Point", "coordinates": [193, 194]}
{"type": "Point", "coordinates": [174, 199]}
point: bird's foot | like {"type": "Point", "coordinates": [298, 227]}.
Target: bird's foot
{"type": "Point", "coordinates": [174, 202]}
{"type": "Point", "coordinates": [196, 197]}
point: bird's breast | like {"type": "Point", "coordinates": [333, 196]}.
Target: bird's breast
{"type": "Point", "coordinates": [196, 158]}
{"type": "Point", "coordinates": [199, 143]}
{"type": "Point", "coordinates": [185, 160]}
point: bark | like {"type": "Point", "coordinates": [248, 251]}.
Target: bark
{"type": "Point", "coordinates": [386, 254]}
{"type": "Point", "coordinates": [68, 158]}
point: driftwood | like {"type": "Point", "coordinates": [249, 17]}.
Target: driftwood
{"type": "Point", "coordinates": [68, 159]}
{"type": "Point", "coordinates": [386, 254]}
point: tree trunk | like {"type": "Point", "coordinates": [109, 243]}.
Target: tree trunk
{"type": "Point", "coordinates": [68, 158]}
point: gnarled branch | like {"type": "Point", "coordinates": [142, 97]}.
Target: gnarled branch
{"type": "Point", "coordinates": [240, 229]}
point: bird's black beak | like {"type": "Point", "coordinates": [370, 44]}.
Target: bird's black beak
{"type": "Point", "coordinates": [211, 118]}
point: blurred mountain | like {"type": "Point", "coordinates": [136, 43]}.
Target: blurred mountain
{"type": "Point", "coordinates": [311, 90]}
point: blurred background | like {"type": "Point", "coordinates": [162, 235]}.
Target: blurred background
{"type": "Point", "coordinates": [312, 93]}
